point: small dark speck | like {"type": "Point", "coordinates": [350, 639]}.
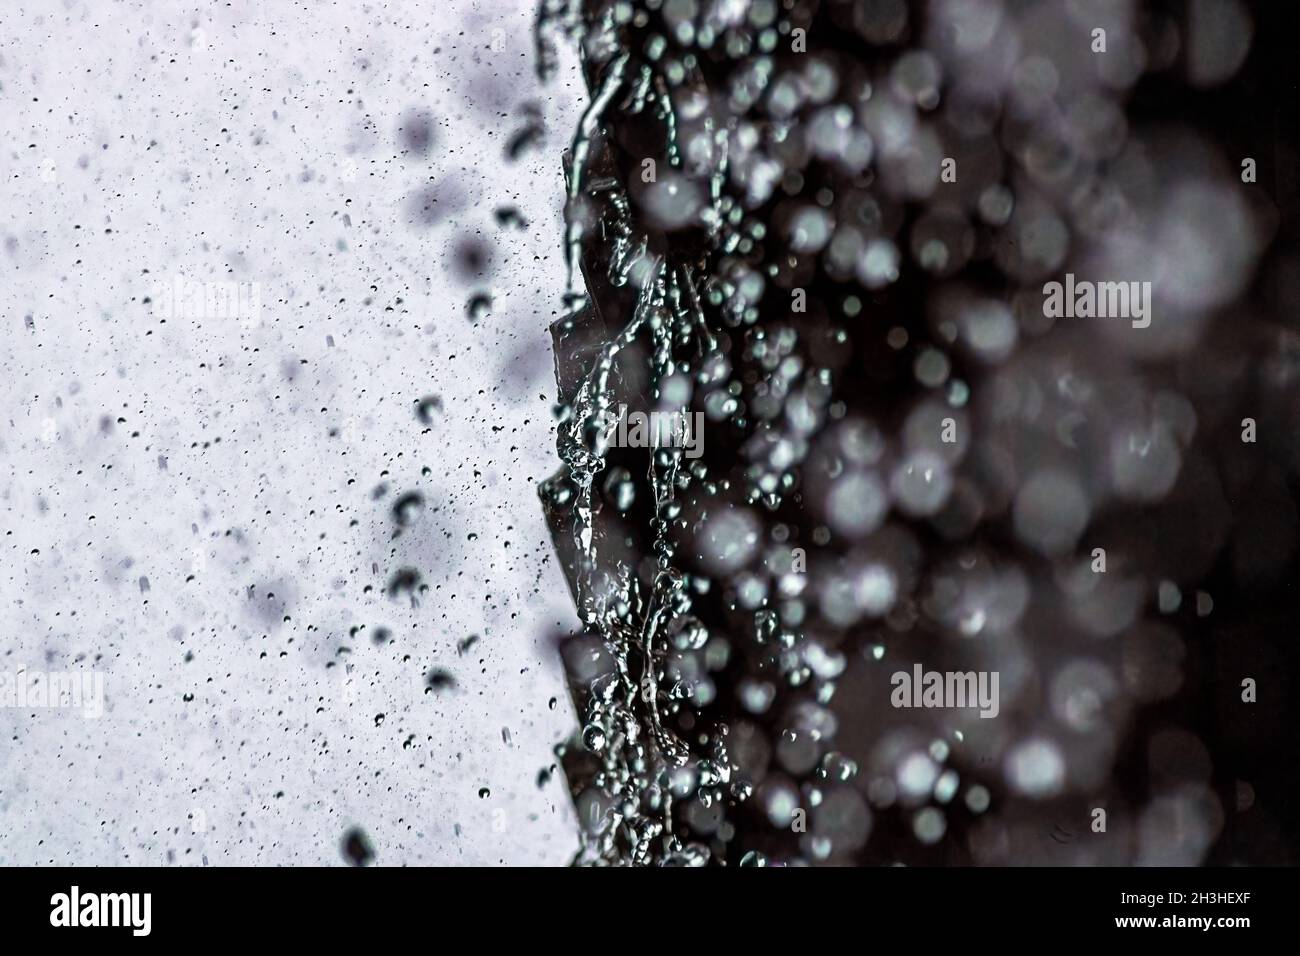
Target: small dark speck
{"type": "Point", "coordinates": [529, 135]}
{"type": "Point", "coordinates": [405, 579]}
{"type": "Point", "coordinates": [425, 407]}
{"type": "Point", "coordinates": [479, 307]}
{"type": "Point", "coordinates": [510, 216]}
{"type": "Point", "coordinates": [356, 848]}
{"type": "Point", "coordinates": [407, 508]}
{"type": "Point", "coordinates": [438, 679]}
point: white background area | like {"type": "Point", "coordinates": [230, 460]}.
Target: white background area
{"type": "Point", "coordinates": [258, 142]}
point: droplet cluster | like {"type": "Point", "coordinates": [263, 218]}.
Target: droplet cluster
{"type": "Point", "coordinates": [825, 227]}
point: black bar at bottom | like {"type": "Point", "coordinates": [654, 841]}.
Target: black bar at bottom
{"type": "Point", "coordinates": [337, 906]}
